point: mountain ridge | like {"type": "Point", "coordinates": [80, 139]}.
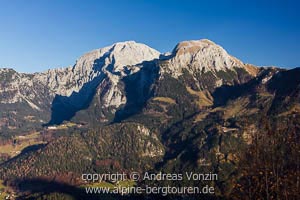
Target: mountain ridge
{"type": "Point", "coordinates": [71, 88]}
{"type": "Point", "coordinates": [120, 43]}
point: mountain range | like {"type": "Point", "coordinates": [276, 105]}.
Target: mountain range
{"type": "Point", "coordinates": [101, 73]}
{"type": "Point", "coordinates": [131, 107]}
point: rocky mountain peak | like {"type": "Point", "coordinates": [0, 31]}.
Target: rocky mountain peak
{"type": "Point", "coordinates": [192, 46]}
{"type": "Point", "coordinates": [130, 53]}
{"type": "Point", "coordinates": [119, 54]}
{"type": "Point", "coordinates": [106, 60]}
{"type": "Point", "coordinates": [201, 55]}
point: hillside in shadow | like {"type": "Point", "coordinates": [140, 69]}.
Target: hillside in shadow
{"type": "Point", "coordinates": [138, 89]}
{"type": "Point", "coordinates": [65, 107]}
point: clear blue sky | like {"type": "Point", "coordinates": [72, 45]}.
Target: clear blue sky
{"type": "Point", "coordinates": [41, 34]}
